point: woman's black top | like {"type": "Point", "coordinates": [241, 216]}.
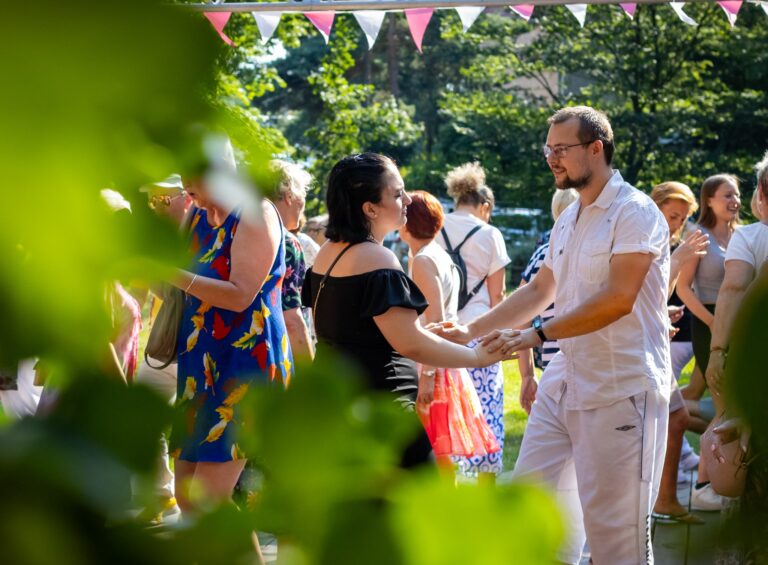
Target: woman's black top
{"type": "Point", "coordinates": [344, 323]}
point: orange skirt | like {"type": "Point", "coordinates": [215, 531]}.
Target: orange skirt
{"type": "Point", "coordinates": [454, 419]}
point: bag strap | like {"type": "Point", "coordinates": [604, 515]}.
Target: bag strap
{"type": "Point", "coordinates": [327, 274]}
{"type": "Point", "coordinates": [470, 234]}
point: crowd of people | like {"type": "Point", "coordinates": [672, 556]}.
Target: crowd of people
{"type": "Point", "coordinates": [620, 296]}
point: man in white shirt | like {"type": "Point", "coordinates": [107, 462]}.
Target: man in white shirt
{"type": "Point", "coordinates": [601, 409]}
{"type": "Point", "coordinates": [746, 253]}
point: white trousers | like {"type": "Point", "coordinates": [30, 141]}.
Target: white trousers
{"type": "Point", "coordinates": [614, 455]}
{"type": "Point", "coordinates": [162, 381]}
{"type": "Point", "coordinates": [23, 401]}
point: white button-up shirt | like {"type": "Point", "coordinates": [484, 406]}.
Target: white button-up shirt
{"type": "Point", "coordinates": [631, 355]}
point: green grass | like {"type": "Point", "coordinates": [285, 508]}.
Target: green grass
{"type": "Point", "coordinates": [515, 417]}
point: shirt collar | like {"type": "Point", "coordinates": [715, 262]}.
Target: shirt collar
{"type": "Point", "coordinates": [610, 190]}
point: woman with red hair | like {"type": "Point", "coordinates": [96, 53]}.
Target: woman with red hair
{"type": "Point", "coordinates": [447, 402]}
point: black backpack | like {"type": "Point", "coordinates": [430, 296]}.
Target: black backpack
{"type": "Point", "coordinates": [465, 295]}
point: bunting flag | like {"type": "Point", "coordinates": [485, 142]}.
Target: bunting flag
{"type": "Point", "coordinates": [468, 15]}
{"type": "Point", "coordinates": [629, 9]}
{"type": "Point", "coordinates": [418, 20]}
{"type": "Point", "coordinates": [218, 21]}
{"type": "Point", "coordinates": [370, 22]}
{"type": "Point", "coordinates": [579, 11]}
{"type": "Point", "coordinates": [731, 10]}
{"type": "Point", "coordinates": [525, 11]}
{"type": "Point", "coordinates": [685, 18]}
{"type": "Point", "coordinates": [323, 21]}
{"type": "Point", "coordinates": [267, 23]}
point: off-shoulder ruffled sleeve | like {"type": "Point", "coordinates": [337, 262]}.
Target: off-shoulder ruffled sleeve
{"type": "Point", "coordinates": [388, 288]}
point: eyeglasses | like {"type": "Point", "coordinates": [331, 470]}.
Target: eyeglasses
{"type": "Point", "coordinates": [157, 201]}
{"type": "Point", "coordinates": [560, 151]}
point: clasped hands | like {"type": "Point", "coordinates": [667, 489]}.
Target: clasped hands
{"type": "Point", "coordinates": [502, 343]}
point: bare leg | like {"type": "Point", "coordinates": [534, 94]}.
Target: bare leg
{"type": "Point", "coordinates": [667, 502]}
{"type": "Point", "coordinates": [184, 471]}
{"type": "Point", "coordinates": [696, 386]}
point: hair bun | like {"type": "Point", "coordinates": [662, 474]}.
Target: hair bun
{"type": "Point", "coordinates": [464, 180]}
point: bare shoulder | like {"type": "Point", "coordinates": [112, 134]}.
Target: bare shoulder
{"type": "Point", "coordinates": [361, 258]}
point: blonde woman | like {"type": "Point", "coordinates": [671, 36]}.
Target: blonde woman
{"type": "Point", "coordinates": [485, 256]}
{"type": "Point", "coordinates": [677, 203]}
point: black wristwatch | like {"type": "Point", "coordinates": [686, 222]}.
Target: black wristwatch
{"type": "Point", "coordinates": [537, 326]}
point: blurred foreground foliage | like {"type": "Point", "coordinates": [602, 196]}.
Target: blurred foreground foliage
{"type": "Point", "coordinates": [98, 95]}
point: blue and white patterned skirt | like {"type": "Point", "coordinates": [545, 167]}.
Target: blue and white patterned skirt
{"type": "Point", "coordinates": [489, 384]}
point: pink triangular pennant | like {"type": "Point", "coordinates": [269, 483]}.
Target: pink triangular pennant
{"type": "Point", "coordinates": [629, 8]}
{"type": "Point", "coordinates": [323, 21]}
{"type": "Point", "coordinates": [218, 21]}
{"type": "Point", "coordinates": [731, 10]}
{"type": "Point", "coordinates": [525, 11]}
{"type": "Point", "coordinates": [418, 20]}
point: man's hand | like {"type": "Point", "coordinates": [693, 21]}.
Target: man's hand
{"type": "Point", "coordinates": [528, 388]}
{"type": "Point", "coordinates": [450, 331]}
{"type": "Point", "coordinates": [509, 341]}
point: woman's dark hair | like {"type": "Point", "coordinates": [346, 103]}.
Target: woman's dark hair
{"type": "Point", "coordinates": [353, 181]}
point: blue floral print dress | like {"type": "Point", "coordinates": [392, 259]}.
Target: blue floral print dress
{"type": "Point", "coordinates": [222, 353]}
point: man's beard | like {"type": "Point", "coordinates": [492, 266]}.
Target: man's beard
{"type": "Point", "coordinates": [577, 183]}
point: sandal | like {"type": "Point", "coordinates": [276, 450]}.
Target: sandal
{"type": "Point", "coordinates": [685, 518]}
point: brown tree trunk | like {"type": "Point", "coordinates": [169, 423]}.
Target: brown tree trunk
{"type": "Point", "coordinates": [392, 59]}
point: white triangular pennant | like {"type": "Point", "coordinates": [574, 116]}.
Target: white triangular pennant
{"type": "Point", "coordinates": [685, 18]}
{"type": "Point", "coordinates": [579, 11]}
{"type": "Point", "coordinates": [764, 6]}
{"type": "Point", "coordinates": [267, 23]}
{"type": "Point", "coordinates": [468, 15]}
{"type": "Point", "coordinates": [370, 22]}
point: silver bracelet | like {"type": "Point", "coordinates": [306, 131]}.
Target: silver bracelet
{"type": "Point", "coordinates": [186, 290]}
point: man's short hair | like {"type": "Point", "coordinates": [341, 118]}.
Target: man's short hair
{"type": "Point", "coordinates": [762, 175]}
{"type": "Point", "coordinates": [593, 125]}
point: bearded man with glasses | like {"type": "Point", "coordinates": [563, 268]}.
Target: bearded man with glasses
{"type": "Point", "coordinates": [598, 426]}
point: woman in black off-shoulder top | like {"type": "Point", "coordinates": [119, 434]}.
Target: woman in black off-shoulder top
{"type": "Point", "coordinates": [364, 306]}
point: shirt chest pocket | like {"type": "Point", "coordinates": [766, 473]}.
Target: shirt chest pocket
{"type": "Point", "coordinates": [594, 258]}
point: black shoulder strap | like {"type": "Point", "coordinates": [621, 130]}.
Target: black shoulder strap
{"type": "Point", "coordinates": [470, 234]}
{"type": "Point", "coordinates": [447, 241]}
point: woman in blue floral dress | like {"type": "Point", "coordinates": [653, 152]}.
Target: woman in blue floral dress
{"type": "Point", "coordinates": [232, 337]}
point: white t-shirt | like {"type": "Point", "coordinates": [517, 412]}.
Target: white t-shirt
{"type": "Point", "coordinates": [310, 248]}
{"type": "Point", "coordinates": [749, 244]}
{"type": "Point", "coordinates": [484, 253]}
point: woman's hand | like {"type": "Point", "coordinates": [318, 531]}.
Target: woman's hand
{"type": "Point", "coordinates": [528, 388]}
{"type": "Point", "coordinates": [675, 313]}
{"type": "Point", "coordinates": [695, 245]}
{"type": "Point", "coordinates": [426, 392]}
{"type": "Point", "coordinates": [715, 371]}
{"type": "Point", "coordinates": [730, 430]}
{"type": "Point", "coordinates": [451, 331]}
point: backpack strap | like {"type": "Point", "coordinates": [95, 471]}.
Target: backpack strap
{"type": "Point", "coordinates": [470, 234]}
{"type": "Point", "coordinates": [447, 241]}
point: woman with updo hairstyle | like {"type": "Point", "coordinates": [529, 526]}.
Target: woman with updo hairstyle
{"type": "Point", "coordinates": [447, 402]}
{"type": "Point", "coordinates": [364, 305]}
{"type": "Point", "coordinates": [485, 255]}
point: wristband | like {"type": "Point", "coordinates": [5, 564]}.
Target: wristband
{"type": "Point", "coordinates": [186, 291]}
